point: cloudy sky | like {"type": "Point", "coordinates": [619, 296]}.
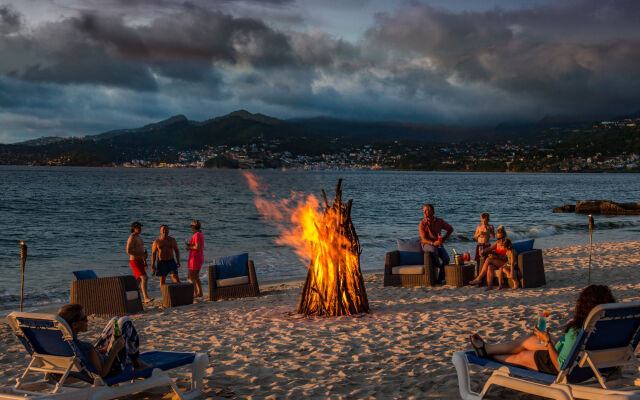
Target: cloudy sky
{"type": "Point", "coordinates": [77, 67]}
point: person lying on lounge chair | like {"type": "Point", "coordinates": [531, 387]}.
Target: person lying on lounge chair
{"type": "Point", "coordinates": [108, 355]}
{"type": "Point", "coordinates": [538, 351]}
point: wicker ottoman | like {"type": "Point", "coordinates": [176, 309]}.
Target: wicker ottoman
{"type": "Point", "coordinates": [459, 275]}
{"type": "Point", "coordinates": [177, 294]}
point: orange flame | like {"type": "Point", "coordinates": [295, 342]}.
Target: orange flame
{"type": "Point", "coordinates": [318, 238]}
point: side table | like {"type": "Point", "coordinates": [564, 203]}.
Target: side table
{"type": "Point", "coordinates": [459, 275]}
{"type": "Point", "coordinates": [177, 294]}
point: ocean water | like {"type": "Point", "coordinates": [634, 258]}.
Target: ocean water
{"type": "Point", "coordinates": [79, 218]}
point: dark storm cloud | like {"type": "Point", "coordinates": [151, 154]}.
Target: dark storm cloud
{"type": "Point", "coordinates": [103, 49]}
{"type": "Point", "coordinates": [416, 63]}
{"type": "Point", "coordinates": [194, 34]}
{"type": "Point", "coordinates": [572, 56]}
{"type": "Point", "coordinates": [10, 20]}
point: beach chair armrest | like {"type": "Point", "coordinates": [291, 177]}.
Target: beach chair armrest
{"type": "Point", "coordinates": [213, 276]}
{"type": "Point", "coordinates": [129, 282]}
{"type": "Point", "coordinates": [531, 267]}
{"type": "Point", "coordinates": [392, 259]}
{"type": "Point", "coordinates": [253, 280]}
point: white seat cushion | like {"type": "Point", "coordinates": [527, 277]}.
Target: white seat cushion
{"type": "Point", "coordinates": [240, 280]}
{"type": "Point", "coordinates": [132, 295]}
{"type": "Point", "coordinates": [408, 270]}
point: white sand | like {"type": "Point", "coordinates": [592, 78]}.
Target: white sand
{"type": "Point", "coordinates": [259, 348]}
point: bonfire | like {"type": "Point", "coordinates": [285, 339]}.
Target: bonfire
{"type": "Point", "coordinates": [334, 284]}
{"type": "Point", "coordinates": [324, 237]}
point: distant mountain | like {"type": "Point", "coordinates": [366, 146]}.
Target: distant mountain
{"type": "Point", "coordinates": [244, 114]}
{"type": "Point", "coordinates": [164, 140]}
{"type": "Point", "coordinates": [176, 121]}
{"type": "Point", "coordinates": [42, 141]}
{"type": "Point", "coordinates": [362, 131]}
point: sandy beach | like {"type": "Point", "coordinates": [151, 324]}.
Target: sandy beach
{"type": "Point", "coordinates": [259, 348]}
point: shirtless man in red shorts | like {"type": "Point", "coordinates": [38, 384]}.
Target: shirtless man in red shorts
{"type": "Point", "coordinates": [138, 258]}
{"type": "Point", "coordinates": [163, 249]}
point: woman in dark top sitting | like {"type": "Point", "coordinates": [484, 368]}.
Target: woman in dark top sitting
{"type": "Point", "coordinates": [108, 356]}
{"type": "Point", "coordinates": [538, 351]}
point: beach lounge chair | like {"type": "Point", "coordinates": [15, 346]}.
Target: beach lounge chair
{"type": "Point", "coordinates": [606, 343]}
{"type": "Point", "coordinates": [233, 277]}
{"type": "Point", "coordinates": [111, 296]}
{"type": "Point", "coordinates": [56, 353]}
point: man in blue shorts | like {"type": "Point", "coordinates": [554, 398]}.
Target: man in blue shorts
{"type": "Point", "coordinates": [164, 249]}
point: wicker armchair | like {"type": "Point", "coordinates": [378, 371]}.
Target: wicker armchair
{"type": "Point", "coordinates": [115, 295]}
{"type": "Point", "coordinates": [228, 289]}
{"type": "Point", "coordinates": [530, 269]}
{"type": "Point", "coordinates": [426, 277]}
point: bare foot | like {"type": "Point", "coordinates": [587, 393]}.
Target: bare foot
{"type": "Point", "coordinates": [488, 288]}
{"type": "Point", "coordinates": [474, 282]}
{"type": "Point", "coordinates": [149, 300]}
{"type": "Point", "coordinates": [141, 365]}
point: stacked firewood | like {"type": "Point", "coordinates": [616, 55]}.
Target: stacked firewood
{"type": "Point", "coordinates": [334, 285]}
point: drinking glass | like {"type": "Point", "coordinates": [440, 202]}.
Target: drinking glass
{"type": "Point", "coordinates": [541, 322]}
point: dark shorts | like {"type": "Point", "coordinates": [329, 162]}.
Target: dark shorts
{"type": "Point", "coordinates": [166, 267]}
{"type": "Point", "coordinates": [544, 363]}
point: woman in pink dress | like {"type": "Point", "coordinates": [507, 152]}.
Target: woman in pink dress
{"type": "Point", "coordinates": [195, 246]}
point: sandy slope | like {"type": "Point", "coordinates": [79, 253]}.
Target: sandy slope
{"type": "Point", "coordinates": [259, 348]}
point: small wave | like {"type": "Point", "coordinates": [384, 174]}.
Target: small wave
{"type": "Point", "coordinates": [551, 230]}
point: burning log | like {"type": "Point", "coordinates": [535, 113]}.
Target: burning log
{"type": "Point", "coordinates": [334, 284]}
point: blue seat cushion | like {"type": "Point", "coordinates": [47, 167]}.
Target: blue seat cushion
{"type": "Point", "coordinates": [411, 258]}
{"type": "Point", "coordinates": [515, 370]}
{"type": "Point", "coordinates": [85, 274]}
{"type": "Point", "coordinates": [232, 266]}
{"type": "Point", "coordinates": [524, 246]}
{"type": "Point", "coordinates": [159, 359]}
{"type": "Point", "coordinates": [413, 245]}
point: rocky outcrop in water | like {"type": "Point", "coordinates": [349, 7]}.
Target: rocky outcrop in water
{"type": "Point", "coordinates": [600, 207]}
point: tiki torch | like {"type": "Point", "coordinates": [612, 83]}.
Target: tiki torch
{"type": "Point", "coordinates": [23, 260]}
{"type": "Point", "coordinates": [590, 239]}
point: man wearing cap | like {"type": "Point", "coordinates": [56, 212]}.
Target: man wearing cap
{"type": "Point", "coordinates": [138, 258]}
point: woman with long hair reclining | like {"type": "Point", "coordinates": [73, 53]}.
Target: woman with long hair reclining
{"type": "Point", "coordinates": [538, 351]}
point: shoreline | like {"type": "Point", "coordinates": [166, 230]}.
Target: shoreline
{"type": "Point", "coordinates": [462, 171]}
{"type": "Point", "coordinates": [260, 348]}
{"type": "Point", "coordinates": [154, 289]}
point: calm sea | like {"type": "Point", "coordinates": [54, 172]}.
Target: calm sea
{"type": "Point", "coordinates": [79, 218]}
